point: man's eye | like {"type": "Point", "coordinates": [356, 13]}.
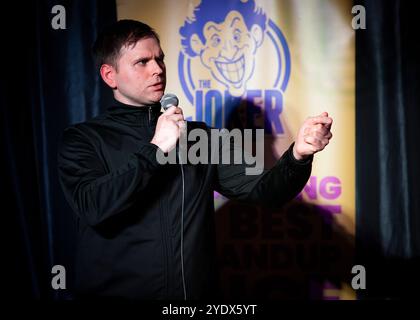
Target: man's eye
{"type": "Point", "coordinates": [142, 62]}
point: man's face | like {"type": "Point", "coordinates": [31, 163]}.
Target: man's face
{"type": "Point", "coordinates": [140, 78]}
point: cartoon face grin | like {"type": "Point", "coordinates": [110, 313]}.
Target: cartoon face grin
{"type": "Point", "coordinates": [232, 71]}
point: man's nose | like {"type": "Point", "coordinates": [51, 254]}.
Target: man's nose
{"type": "Point", "coordinates": [157, 68]}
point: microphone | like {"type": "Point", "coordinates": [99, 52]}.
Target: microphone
{"type": "Point", "coordinates": [168, 100]}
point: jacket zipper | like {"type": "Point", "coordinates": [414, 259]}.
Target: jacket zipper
{"type": "Point", "coordinates": [150, 114]}
{"type": "Point", "coordinates": [165, 240]}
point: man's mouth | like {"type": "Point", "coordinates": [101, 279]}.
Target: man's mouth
{"type": "Point", "coordinates": [157, 86]}
{"type": "Point", "coordinates": [232, 71]}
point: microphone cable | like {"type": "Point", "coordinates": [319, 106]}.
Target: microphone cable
{"type": "Point", "coordinates": [182, 226]}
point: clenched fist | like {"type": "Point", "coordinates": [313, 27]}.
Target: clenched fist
{"type": "Point", "coordinates": [313, 136]}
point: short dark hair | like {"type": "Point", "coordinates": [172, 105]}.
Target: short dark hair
{"type": "Point", "coordinates": [113, 38]}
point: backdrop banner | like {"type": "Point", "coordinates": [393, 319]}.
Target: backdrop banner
{"type": "Point", "coordinates": [271, 64]}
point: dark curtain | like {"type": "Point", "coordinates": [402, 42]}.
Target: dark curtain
{"type": "Point", "coordinates": [49, 82]}
{"type": "Point", "coordinates": [387, 152]}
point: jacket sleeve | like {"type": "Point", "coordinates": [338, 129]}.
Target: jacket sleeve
{"type": "Point", "coordinates": [272, 188]}
{"type": "Point", "coordinates": [94, 192]}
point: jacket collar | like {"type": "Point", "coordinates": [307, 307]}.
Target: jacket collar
{"type": "Point", "coordinates": [134, 115]}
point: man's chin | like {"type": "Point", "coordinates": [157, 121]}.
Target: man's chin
{"type": "Point", "coordinates": [159, 96]}
{"type": "Point", "coordinates": [155, 98]}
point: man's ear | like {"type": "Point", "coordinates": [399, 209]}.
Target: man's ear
{"type": "Point", "coordinates": [196, 44]}
{"type": "Point", "coordinates": [108, 75]}
{"type": "Point", "coordinates": [257, 34]}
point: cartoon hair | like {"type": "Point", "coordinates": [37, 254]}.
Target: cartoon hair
{"type": "Point", "coordinates": [216, 11]}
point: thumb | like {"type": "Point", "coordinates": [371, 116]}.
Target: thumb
{"type": "Point", "coordinates": [171, 110]}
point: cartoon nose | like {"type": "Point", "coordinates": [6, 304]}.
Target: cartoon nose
{"type": "Point", "coordinates": [228, 49]}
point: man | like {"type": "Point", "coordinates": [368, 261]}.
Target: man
{"type": "Point", "coordinates": [137, 237]}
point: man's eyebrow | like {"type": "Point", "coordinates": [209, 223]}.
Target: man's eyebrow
{"type": "Point", "coordinates": [137, 59]}
{"type": "Point", "coordinates": [234, 20]}
{"type": "Point", "coordinates": [147, 57]}
{"type": "Point", "coordinates": [214, 27]}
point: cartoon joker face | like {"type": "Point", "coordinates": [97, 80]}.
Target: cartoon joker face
{"type": "Point", "coordinates": [229, 50]}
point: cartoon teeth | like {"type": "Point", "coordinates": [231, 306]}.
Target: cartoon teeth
{"type": "Point", "coordinates": [232, 71]}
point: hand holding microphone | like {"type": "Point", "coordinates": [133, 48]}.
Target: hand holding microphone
{"type": "Point", "coordinates": [169, 124]}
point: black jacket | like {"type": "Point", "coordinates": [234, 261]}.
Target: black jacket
{"type": "Point", "coordinates": [128, 206]}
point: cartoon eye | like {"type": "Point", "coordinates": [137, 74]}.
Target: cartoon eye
{"type": "Point", "coordinates": [215, 40]}
{"type": "Point", "coordinates": [237, 36]}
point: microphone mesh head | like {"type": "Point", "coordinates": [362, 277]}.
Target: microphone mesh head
{"type": "Point", "coordinates": [169, 100]}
